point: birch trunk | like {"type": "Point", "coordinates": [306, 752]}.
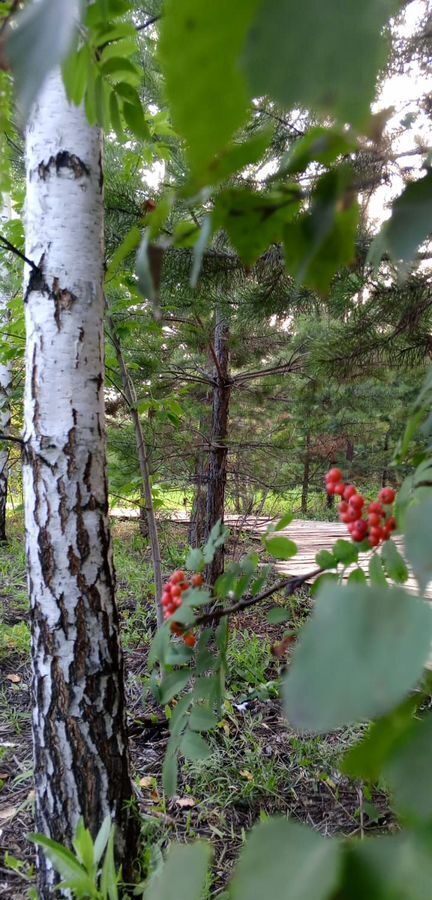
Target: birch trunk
{"type": "Point", "coordinates": [5, 384]}
{"type": "Point", "coordinates": [79, 731]}
{"type": "Point", "coordinates": [131, 398]}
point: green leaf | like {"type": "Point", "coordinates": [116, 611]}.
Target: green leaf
{"type": "Point", "coordinates": [280, 547]}
{"type": "Point", "coordinates": [357, 577]}
{"type": "Point", "coordinates": [232, 160]}
{"type": "Point", "coordinates": [283, 522]}
{"type": "Point", "coordinates": [194, 747]}
{"type": "Point", "coordinates": [109, 876]}
{"type": "Point", "coordinates": [195, 560]}
{"type": "Point", "coordinates": [102, 838]}
{"type": "Point", "coordinates": [199, 49]}
{"type": "Point", "coordinates": [345, 552]}
{"type": "Point", "coordinates": [278, 615]}
{"type": "Point", "coordinates": [345, 668]}
{"type": "Point", "coordinates": [82, 843]}
{"type": "Point", "coordinates": [199, 249]}
{"type": "Point", "coordinates": [127, 246]}
{"type": "Point", "coordinates": [332, 76]}
{"type": "Point", "coordinates": [326, 578]}
{"type": "Point", "coordinates": [325, 560]}
{"type": "Point", "coordinates": [366, 759]}
{"type": "Point", "coordinates": [75, 74]}
{"type": "Point", "coordinates": [42, 38]}
{"type": "Point", "coordinates": [322, 241]}
{"type": "Point", "coordinates": [172, 684]}
{"type": "Point", "coordinates": [411, 220]}
{"type": "Point", "coordinates": [253, 221]}
{"type": "Point", "coordinates": [394, 563]}
{"type": "Point", "coordinates": [284, 859]}
{"type": "Point", "coordinates": [376, 571]}
{"type": "Point", "coordinates": [65, 863]}
{"type": "Point", "coordinates": [396, 867]}
{"type": "Point", "coordinates": [409, 775]}
{"type": "Point", "coordinates": [202, 718]}
{"type": "Point", "coordinates": [170, 774]}
{"type": "Point", "coordinates": [217, 538]}
{"type": "Point", "coordinates": [323, 145]}
{"type": "Point", "coordinates": [185, 868]}
{"type": "Point", "coordinates": [418, 540]}
{"type": "Point", "coordinates": [134, 117]}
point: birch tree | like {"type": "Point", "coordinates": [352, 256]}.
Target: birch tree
{"type": "Point", "coordinates": [79, 731]}
{"type": "Point", "coordinates": [5, 384]}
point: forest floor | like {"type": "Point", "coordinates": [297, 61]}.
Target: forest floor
{"type": "Point", "coordinates": [258, 766]}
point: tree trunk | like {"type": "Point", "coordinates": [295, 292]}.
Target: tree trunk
{"type": "Point", "coordinates": [131, 398]}
{"type": "Point", "coordinates": [79, 728]}
{"type": "Point", "coordinates": [5, 385]}
{"type": "Point", "coordinates": [197, 525]}
{"type": "Point", "coordinates": [218, 447]}
{"type": "Point", "coordinates": [385, 474]}
{"type": "Point", "coordinates": [306, 474]}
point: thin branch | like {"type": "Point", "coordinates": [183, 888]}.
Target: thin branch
{"type": "Point", "coordinates": [18, 253]}
{"type": "Point", "coordinates": [290, 586]}
{"type": "Point", "coordinates": [150, 21]}
{"type": "Point", "coordinates": [9, 437]}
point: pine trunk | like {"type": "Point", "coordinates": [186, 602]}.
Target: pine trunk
{"type": "Point", "coordinates": [5, 386]}
{"type": "Point", "coordinates": [217, 474]}
{"type": "Point", "coordinates": [79, 728]}
{"type": "Point", "coordinates": [306, 475]}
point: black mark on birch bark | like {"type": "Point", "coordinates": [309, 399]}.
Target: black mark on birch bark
{"type": "Point", "coordinates": [63, 300]}
{"type": "Point", "coordinates": [63, 160]}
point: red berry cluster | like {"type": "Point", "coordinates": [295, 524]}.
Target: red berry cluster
{"type": "Point", "coordinates": [172, 599]}
{"type": "Point", "coordinates": [379, 523]}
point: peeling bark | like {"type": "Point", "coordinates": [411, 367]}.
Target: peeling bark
{"type": "Point", "coordinates": [79, 729]}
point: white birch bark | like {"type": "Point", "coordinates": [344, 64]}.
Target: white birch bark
{"type": "Point", "coordinates": [80, 741]}
{"type": "Point", "coordinates": [5, 379]}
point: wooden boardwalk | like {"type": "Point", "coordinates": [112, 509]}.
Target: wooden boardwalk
{"type": "Point", "coordinates": [311, 536]}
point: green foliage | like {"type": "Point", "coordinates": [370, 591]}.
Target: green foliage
{"type": "Point", "coordinates": [41, 40]}
{"type": "Point", "coordinates": [199, 49]}
{"type": "Point", "coordinates": [285, 859]}
{"type": "Point", "coordinates": [90, 872]}
{"type": "Point", "coordinates": [345, 668]}
{"type": "Point", "coordinates": [338, 40]}
{"type": "Point", "coordinates": [411, 221]}
{"type": "Point", "coordinates": [186, 868]}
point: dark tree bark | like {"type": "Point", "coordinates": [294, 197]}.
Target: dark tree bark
{"type": "Point", "coordinates": [217, 472]}
{"type": "Point", "coordinates": [385, 473]}
{"type": "Point", "coordinates": [306, 474]}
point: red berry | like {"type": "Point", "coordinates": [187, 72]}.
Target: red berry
{"type": "Point", "coordinates": [177, 601]}
{"type": "Point", "coordinates": [197, 580]}
{"type": "Point", "coordinates": [352, 527]}
{"type": "Point", "coordinates": [373, 540]}
{"type": "Point", "coordinates": [357, 535]}
{"type": "Point", "coordinates": [391, 524]}
{"type": "Point", "coordinates": [357, 502]}
{"type": "Point", "coordinates": [345, 518]}
{"type": "Point", "coordinates": [376, 532]}
{"type": "Point", "coordinates": [387, 496]}
{"type": "Point", "coordinates": [190, 640]}
{"type": "Point", "coordinates": [176, 590]}
{"type": "Point", "coordinates": [374, 519]}
{"type": "Point", "coordinates": [386, 533]}
{"type": "Point", "coordinates": [177, 577]}
{"type": "Point", "coordinates": [376, 508]}
{"type": "Point", "coordinates": [166, 598]}
{"type": "Point", "coordinates": [349, 491]}
{"type": "Point", "coordinates": [330, 487]}
{"type": "Point", "coordinates": [339, 488]}
{"type": "Point", "coordinates": [334, 475]}
{"type": "Point", "coordinates": [343, 507]}
{"type": "Point", "coordinates": [353, 514]}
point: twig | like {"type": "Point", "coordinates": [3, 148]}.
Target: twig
{"type": "Point", "coordinates": [149, 22]}
{"type": "Point", "coordinates": [9, 437]}
{"type": "Point", "coordinates": [17, 252]}
{"type": "Point", "coordinates": [290, 586]}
